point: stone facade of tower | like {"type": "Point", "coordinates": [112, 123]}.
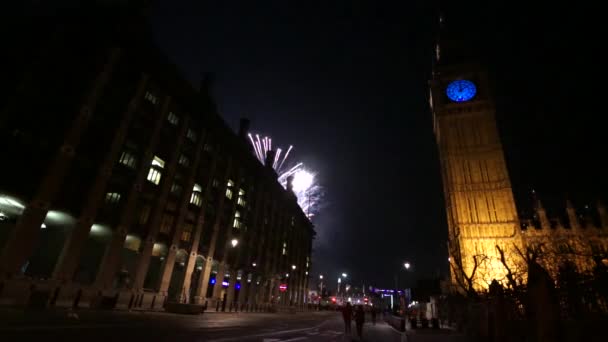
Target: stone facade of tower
{"type": "Point", "coordinates": [485, 232]}
{"type": "Point", "coordinates": [480, 205]}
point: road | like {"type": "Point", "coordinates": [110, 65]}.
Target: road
{"type": "Point", "coordinates": [150, 326]}
{"type": "Point", "coordinates": [109, 326]}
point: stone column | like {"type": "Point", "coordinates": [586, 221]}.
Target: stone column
{"type": "Point", "coordinates": [143, 260]}
{"type": "Point", "coordinates": [72, 249]}
{"type": "Point", "coordinates": [24, 236]}
{"type": "Point", "coordinates": [214, 236]}
{"type": "Point", "coordinates": [231, 288]}
{"type": "Point", "coordinates": [112, 255]}
{"type": "Point", "coordinates": [219, 278]}
{"type": "Point", "coordinates": [167, 269]}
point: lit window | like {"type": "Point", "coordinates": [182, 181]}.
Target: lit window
{"type": "Point", "coordinates": [127, 159]}
{"type": "Point", "coordinates": [284, 248]}
{"type": "Point", "coordinates": [229, 189]}
{"type": "Point", "coordinates": [158, 162]}
{"type": "Point", "coordinates": [112, 197]}
{"type": "Point", "coordinates": [183, 160]}
{"type": "Point", "coordinates": [166, 224]}
{"type": "Point", "coordinates": [237, 220]}
{"type": "Point", "coordinates": [196, 198]}
{"type": "Point", "coordinates": [155, 171]}
{"type": "Point", "coordinates": [191, 135]}
{"type": "Point", "coordinates": [150, 97]}
{"type": "Point", "coordinates": [187, 232]}
{"type": "Point", "coordinates": [241, 200]}
{"type": "Point", "coordinates": [176, 188]}
{"type": "Point", "coordinates": [173, 119]}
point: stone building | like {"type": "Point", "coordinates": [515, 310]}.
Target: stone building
{"type": "Point", "coordinates": [482, 214]}
{"type": "Point", "coordinates": [122, 186]}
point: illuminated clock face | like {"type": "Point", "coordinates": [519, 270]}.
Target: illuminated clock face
{"type": "Point", "coordinates": [461, 90]}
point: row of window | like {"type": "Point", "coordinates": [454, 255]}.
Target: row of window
{"type": "Point", "coordinates": [171, 117]}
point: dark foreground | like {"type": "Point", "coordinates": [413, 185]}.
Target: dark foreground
{"type": "Point", "coordinates": [149, 326]}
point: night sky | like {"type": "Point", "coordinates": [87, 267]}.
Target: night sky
{"type": "Point", "coordinates": [345, 82]}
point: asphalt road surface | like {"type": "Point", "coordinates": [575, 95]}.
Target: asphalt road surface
{"type": "Point", "coordinates": [110, 326]}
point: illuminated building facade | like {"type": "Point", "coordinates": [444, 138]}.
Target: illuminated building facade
{"type": "Point", "coordinates": [125, 188]}
{"type": "Point", "coordinates": [481, 210]}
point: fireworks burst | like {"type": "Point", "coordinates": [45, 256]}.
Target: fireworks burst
{"type": "Point", "coordinates": [304, 183]}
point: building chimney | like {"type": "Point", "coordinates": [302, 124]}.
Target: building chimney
{"type": "Point", "coordinates": [244, 128]}
{"type": "Point", "coordinates": [290, 183]}
{"type": "Point", "coordinates": [542, 215]}
{"type": "Point", "coordinates": [603, 215]}
{"type": "Point", "coordinates": [574, 223]}
{"type": "Point", "coordinates": [269, 159]}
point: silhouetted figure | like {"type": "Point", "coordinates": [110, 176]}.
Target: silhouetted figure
{"type": "Point", "coordinates": [347, 314]}
{"type": "Point", "coordinates": [359, 320]}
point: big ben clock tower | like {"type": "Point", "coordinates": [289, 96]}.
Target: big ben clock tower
{"type": "Point", "coordinates": [481, 210]}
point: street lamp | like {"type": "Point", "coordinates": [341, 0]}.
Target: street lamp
{"type": "Point", "coordinates": [254, 264]}
{"type": "Point", "coordinates": [234, 242]}
{"type": "Point", "coordinates": [320, 276]}
{"type": "Point", "coordinates": [406, 265]}
{"type": "Point", "coordinates": [344, 275]}
{"type": "Point", "coordinates": [293, 267]}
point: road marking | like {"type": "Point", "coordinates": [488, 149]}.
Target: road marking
{"type": "Point", "coordinates": [281, 332]}
{"type": "Point", "coordinates": [294, 339]}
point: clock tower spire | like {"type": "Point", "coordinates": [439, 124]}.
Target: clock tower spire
{"type": "Point", "coordinates": [481, 210]}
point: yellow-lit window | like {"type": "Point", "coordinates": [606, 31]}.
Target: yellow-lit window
{"type": "Point", "coordinates": [187, 232]}
{"type": "Point", "coordinates": [229, 189]}
{"type": "Point", "coordinates": [237, 220]}
{"type": "Point", "coordinates": [127, 159]}
{"type": "Point", "coordinates": [241, 200]}
{"type": "Point", "coordinates": [155, 172]}
{"type": "Point", "coordinates": [173, 119]}
{"type": "Point", "coordinates": [166, 224]}
{"type": "Point", "coordinates": [197, 196]}
{"type": "Point", "coordinates": [112, 197]}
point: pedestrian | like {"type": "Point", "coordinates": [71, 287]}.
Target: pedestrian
{"type": "Point", "coordinates": [347, 314]}
{"type": "Point", "coordinates": [359, 320]}
{"type": "Point", "coordinates": [373, 315]}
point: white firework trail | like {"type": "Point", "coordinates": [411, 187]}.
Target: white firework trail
{"type": "Point", "coordinates": [304, 185]}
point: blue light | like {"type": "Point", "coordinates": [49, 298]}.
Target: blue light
{"type": "Point", "coordinates": [461, 90]}
{"type": "Point", "coordinates": [212, 281]}
{"type": "Point", "coordinates": [238, 286]}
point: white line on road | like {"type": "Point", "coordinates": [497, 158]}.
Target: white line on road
{"type": "Point", "coordinates": [281, 332]}
{"type": "Point", "coordinates": [294, 339]}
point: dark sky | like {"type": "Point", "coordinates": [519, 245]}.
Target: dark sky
{"type": "Point", "coordinates": [346, 83]}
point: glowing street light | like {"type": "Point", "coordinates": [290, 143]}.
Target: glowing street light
{"type": "Point", "coordinates": [234, 242]}
{"type": "Point", "coordinates": [406, 265]}
{"type": "Point", "coordinates": [320, 276]}
{"type": "Point", "coordinates": [293, 267]}
{"type": "Point", "coordinates": [344, 275]}
{"type": "Point", "coordinates": [254, 264]}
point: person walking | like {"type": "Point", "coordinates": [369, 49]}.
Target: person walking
{"type": "Point", "coordinates": [347, 314]}
{"type": "Point", "coordinates": [359, 320]}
